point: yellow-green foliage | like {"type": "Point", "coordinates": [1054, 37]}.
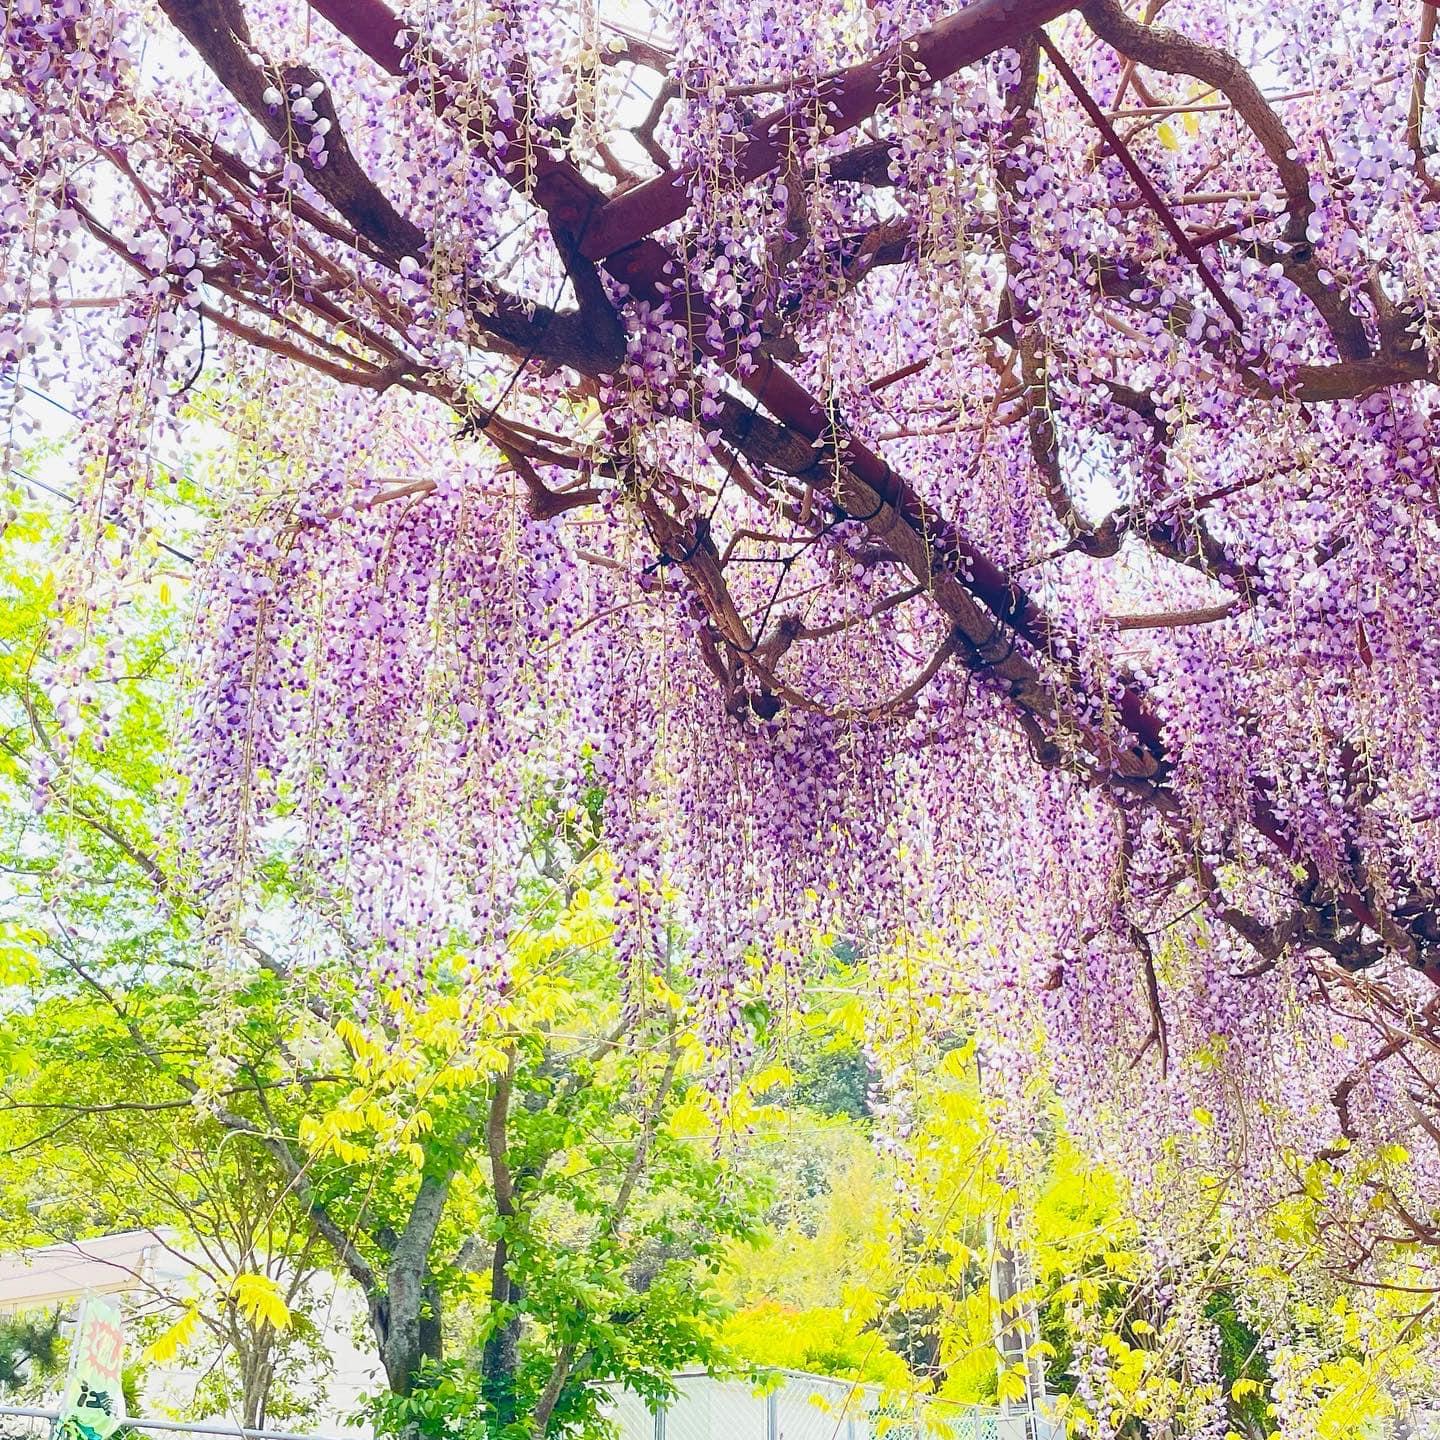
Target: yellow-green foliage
{"type": "Point", "coordinates": [824, 1339]}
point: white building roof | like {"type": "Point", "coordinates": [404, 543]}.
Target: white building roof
{"type": "Point", "coordinates": [99, 1266]}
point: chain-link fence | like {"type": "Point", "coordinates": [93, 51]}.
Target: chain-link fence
{"type": "Point", "coordinates": [791, 1405]}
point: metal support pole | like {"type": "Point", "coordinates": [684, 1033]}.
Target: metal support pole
{"type": "Point", "coordinates": [191, 1427]}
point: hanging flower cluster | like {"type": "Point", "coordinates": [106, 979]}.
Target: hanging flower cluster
{"type": "Point", "coordinates": [962, 472]}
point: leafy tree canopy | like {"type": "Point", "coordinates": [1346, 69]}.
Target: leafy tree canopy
{"type": "Point", "coordinates": [497, 1173]}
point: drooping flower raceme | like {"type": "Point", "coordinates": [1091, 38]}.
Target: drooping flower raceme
{"type": "Point", "coordinates": [952, 472]}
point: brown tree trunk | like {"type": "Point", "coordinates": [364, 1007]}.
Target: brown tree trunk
{"type": "Point", "coordinates": [500, 1359]}
{"type": "Point", "coordinates": [257, 1372]}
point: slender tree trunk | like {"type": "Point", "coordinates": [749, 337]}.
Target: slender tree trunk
{"type": "Point", "coordinates": [500, 1359]}
{"type": "Point", "coordinates": [257, 1371]}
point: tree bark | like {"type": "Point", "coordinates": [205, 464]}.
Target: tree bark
{"type": "Point", "coordinates": [257, 1371]}
{"type": "Point", "coordinates": [406, 1333]}
{"type": "Point", "coordinates": [500, 1359]}
{"type": "Point", "coordinates": [405, 1314]}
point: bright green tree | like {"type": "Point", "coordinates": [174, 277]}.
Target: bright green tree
{"type": "Point", "coordinates": [975, 1262]}
{"type": "Point", "coordinates": [503, 1187]}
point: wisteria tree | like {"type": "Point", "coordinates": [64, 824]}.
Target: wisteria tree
{"type": "Point", "coordinates": [948, 471]}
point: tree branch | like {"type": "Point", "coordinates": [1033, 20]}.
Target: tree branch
{"type": "Point", "coordinates": [915, 64]}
